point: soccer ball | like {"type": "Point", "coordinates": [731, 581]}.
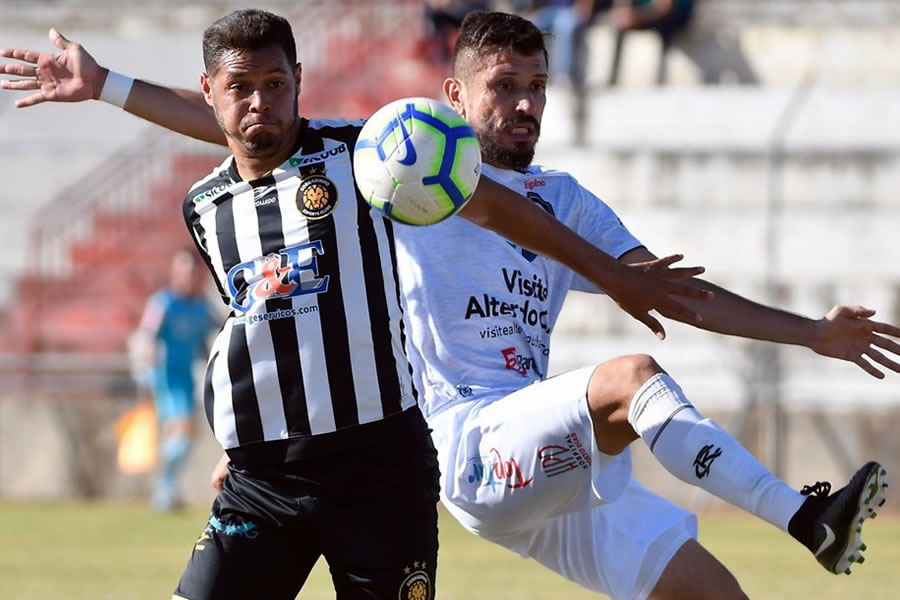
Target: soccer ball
{"type": "Point", "coordinates": [417, 161]}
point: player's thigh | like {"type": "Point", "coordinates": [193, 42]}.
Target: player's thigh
{"type": "Point", "coordinates": [695, 574]}
{"type": "Point", "coordinates": [528, 456]}
{"type": "Point", "coordinates": [619, 549]}
{"type": "Point", "coordinates": [382, 541]}
{"type": "Point", "coordinates": [243, 554]}
{"type": "Point", "coordinates": [384, 550]}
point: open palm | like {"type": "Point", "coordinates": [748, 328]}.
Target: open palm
{"type": "Point", "coordinates": [848, 333]}
{"type": "Point", "coordinates": [72, 75]}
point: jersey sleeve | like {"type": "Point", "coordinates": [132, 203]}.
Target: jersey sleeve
{"type": "Point", "coordinates": [601, 226]}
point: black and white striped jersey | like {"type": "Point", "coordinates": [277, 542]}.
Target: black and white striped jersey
{"type": "Point", "coordinates": [313, 345]}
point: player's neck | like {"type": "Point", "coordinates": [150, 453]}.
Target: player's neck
{"type": "Point", "coordinates": [254, 167]}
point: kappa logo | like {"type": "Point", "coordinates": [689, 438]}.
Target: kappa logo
{"type": "Point", "coordinates": [704, 460]}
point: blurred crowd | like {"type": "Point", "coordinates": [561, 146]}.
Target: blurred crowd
{"type": "Point", "coordinates": [716, 54]}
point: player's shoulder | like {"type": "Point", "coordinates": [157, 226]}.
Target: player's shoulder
{"type": "Point", "coordinates": [536, 170]}
{"type": "Point", "coordinates": [343, 130]}
{"type": "Point", "coordinates": [212, 186]}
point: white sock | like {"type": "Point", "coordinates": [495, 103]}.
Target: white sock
{"type": "Point", "coordinates": [699, 452]}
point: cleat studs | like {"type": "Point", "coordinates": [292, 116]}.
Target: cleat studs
{"type": "Point", "coordinates": [847, 572]}
{"type": "Point", "coordinates": [862, 547]}
{"type": "Point", "coordinates": [859, 530]}
{"type": "Point", "coordinates": [851, 558]}
{"type": "Point", "coordinates": [861, 560]}
{"type": "Point", "coordinates": [874, 514]}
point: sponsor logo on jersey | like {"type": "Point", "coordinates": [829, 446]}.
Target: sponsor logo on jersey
{"type": "Point", "coordinates": [317, 197]}
{"type": "Point", "coordinates": [518, 363]}
{"type": "Point", "coordinates": [291, 272]}
{"type": "Point", "coordinates": [210, 194]}
{"type": "Point", "coordinates": [530, 184]}
{"type": "Point", "coordinates": [493, 471]}
{"type": "Point", "coordinates": [557, 459]}
{"type": "Point", "coordinates": [417, 585]}
{"type": "Point", "coordinates": [264, 195]}
{"type": "Point", "coordinates": [486, 306]}
{"type": "Point", "coordinates": [301, 161]}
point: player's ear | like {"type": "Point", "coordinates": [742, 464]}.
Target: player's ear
{"type": "Point", "coordinates": [206, 87]}
{"type": "Point", "coordinates": [453, 91]}
{"type": "Point", "coordinates": [298, 75]}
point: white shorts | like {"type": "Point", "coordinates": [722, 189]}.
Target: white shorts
{"type": "Point", "coordinates": [524, 472]}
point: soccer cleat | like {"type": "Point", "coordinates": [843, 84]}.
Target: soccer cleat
{"type": "Point", "coordinates": [831, 525]}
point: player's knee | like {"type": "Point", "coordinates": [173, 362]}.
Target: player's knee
{"type": "Point", "coordinates": [612, 386]}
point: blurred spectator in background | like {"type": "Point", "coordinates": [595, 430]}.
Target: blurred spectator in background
{"type": "Point", "coordinates": [568, 21]}
{"type": "Point", "coordinates": [442, 21]}
{"type": "Point", "coordinates": [715, 52]}
{"type": "Point", "coordinates": [171, 337]}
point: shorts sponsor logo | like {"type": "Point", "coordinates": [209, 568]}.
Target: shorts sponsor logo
{"type": "Point", "coordinates": [557, 459]}
{"type": "Point", "coordinates": [417, 585]}
{"type": "Point", "coordinates": [703, 462]}
{"type": "Point", "coordinates": [493, 470]}
{"type": "Point", "coordinates": [291, 272]}
{"type": "Point", "coordinates": [233, 526]}
{"type": "Point", "coordinates": [519, 363]}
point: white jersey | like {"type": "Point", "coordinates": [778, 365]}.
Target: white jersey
{"type": "Point", "coordinates": [481, 310]}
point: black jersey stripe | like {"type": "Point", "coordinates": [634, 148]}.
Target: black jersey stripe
{"type": "Point", "coordinates": [209, 392]}
{"type": "Point", "coordinates": [247, 420]}
{"type": "Point", "coordinates": [379, 316]}
{"type": "Point", "coordinates": [283, 331]}
{"type": "Point", "coordinates": [333, 319]}
{"type": "Point", "coordinates": [389, 228]}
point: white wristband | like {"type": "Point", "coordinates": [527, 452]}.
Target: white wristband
{"type": "Point", "coordinates": [116, 89]}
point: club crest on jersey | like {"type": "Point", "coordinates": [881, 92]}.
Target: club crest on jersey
{"type": "Point", "coordinates": [317, 197]}
{"type": "Point", "coordinates": [291, 272]}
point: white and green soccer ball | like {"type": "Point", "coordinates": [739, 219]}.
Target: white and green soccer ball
{"type": "Point", "coordinates": [417, 161]}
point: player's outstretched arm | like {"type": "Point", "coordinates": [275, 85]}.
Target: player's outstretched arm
{"type": "Point", "coordinates": [72, 75]}
{"type": "Point", "coordinates": [846, 332]}
{"type": "Point", "coordinates": [636, 288]}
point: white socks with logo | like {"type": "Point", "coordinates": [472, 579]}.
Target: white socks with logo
{"type": "Point", "coordinates": [699, 452]}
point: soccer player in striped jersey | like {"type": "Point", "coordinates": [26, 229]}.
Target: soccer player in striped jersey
{"type": "Point", "coordinates": [307, 387]}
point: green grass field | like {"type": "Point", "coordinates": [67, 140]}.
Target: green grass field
{"type": "Point", "coordinates": [71, 551]}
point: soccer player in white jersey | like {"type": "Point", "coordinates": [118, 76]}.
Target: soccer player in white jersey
{"type": "Point", "coordinates": [544, 469]}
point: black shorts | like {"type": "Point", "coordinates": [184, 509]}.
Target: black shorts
{"type": "Point", "coordinates": [372, 514]}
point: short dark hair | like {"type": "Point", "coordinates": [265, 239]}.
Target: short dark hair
{"type": "Point", "coordinates": [247, 29]}
{"type": "Point", "coordinates": [481, 29]}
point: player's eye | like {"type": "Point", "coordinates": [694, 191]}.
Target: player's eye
{"type": "Point", "coordinates": [277, 83]}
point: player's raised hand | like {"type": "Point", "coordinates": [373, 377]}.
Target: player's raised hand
{"type": "Point", "coordinates": [849, 333]}
{"type": "Point", "coordinates": [71, 75]}
{"type": "Point", "coordinates": [654, 285]}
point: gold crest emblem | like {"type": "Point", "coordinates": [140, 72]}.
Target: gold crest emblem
{"type": "Point", "coordinates": [417, 586]}
{"type": "Point", "coordinates": [316, 197]}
